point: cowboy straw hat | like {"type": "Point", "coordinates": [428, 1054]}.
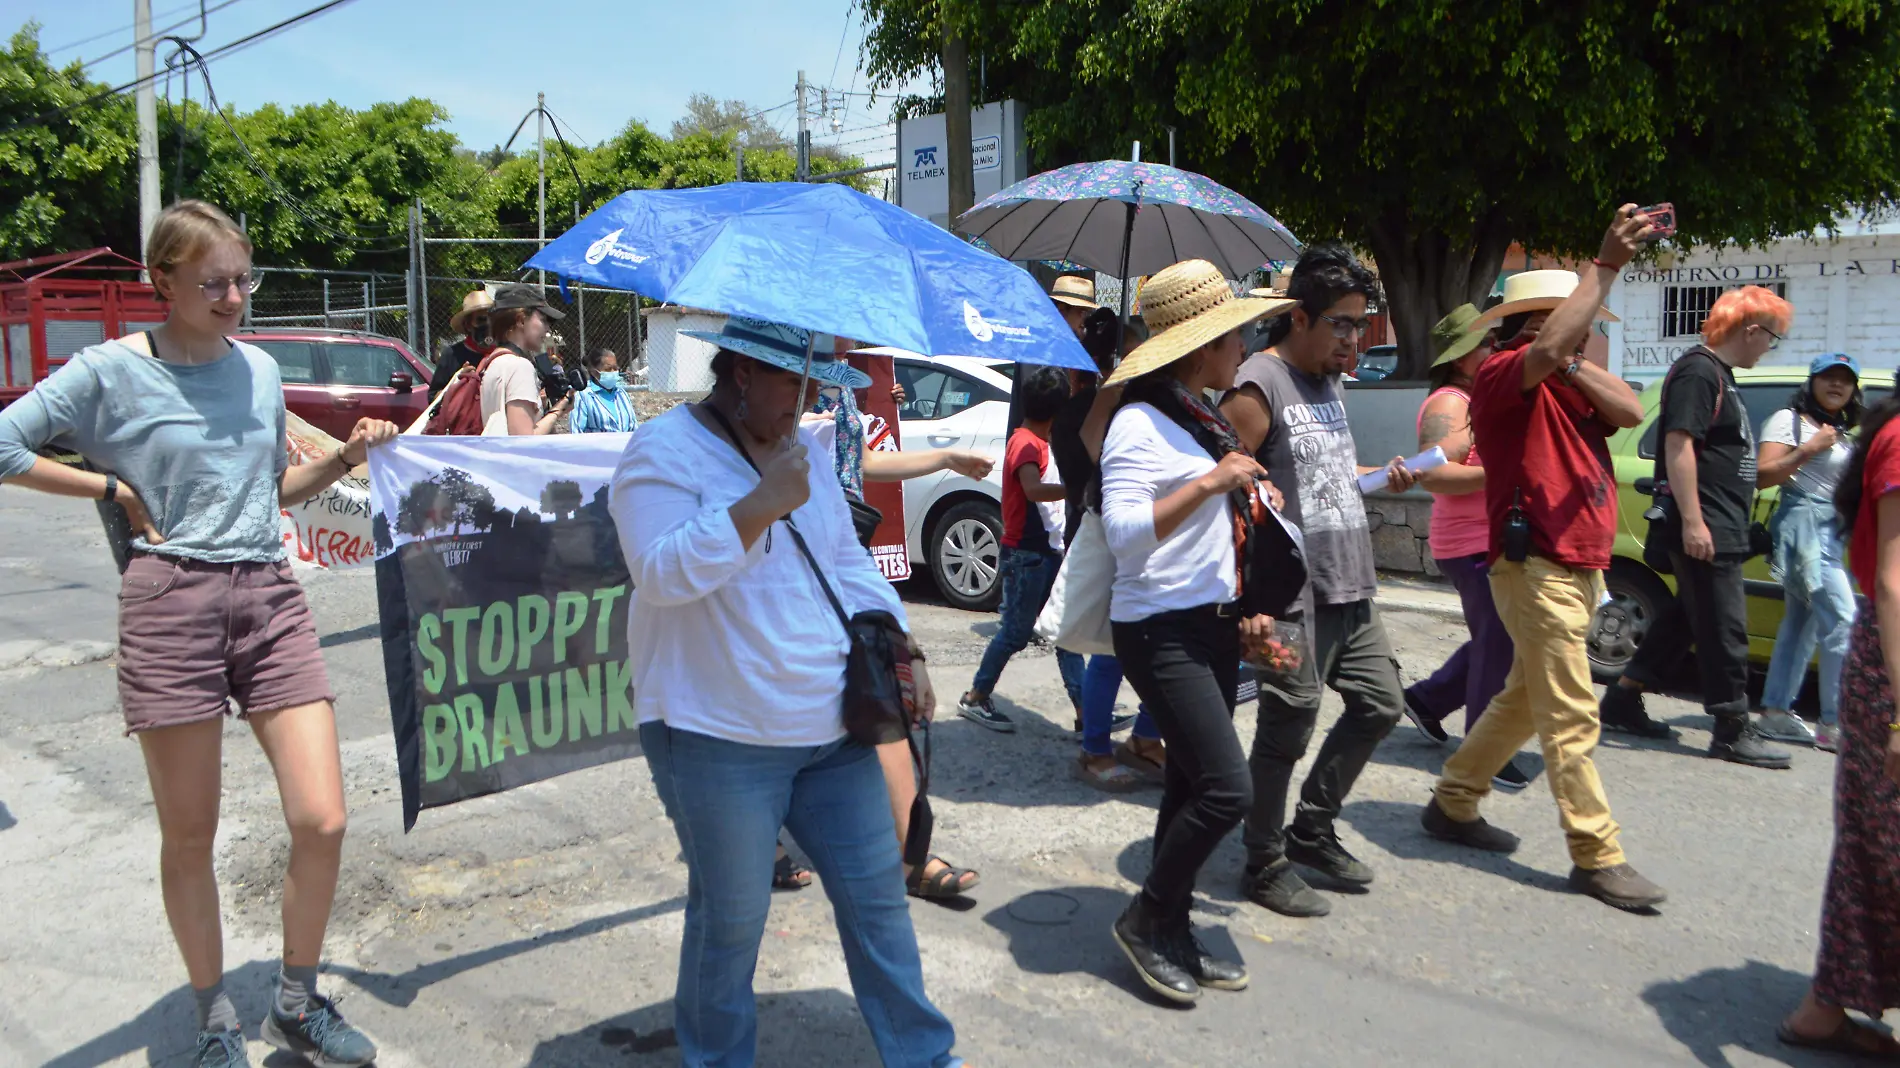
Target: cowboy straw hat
{"type": "Point", "coordinates": [1075, 291]}
{"type": "Point", "coordinates": [783, 347]}
{"type": "Point", "coordinates": [1187, 306]}
{"type": "Point", "coordinates": [1453, 337]}
{"type": "Point", "coordinates": [477, 301]}
{"type": "Point", "coordinates": [1531, 291]}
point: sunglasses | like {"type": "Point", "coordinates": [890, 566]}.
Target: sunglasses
{"type": "Point", "coordinates": [216, 288]}
{"type": "Point", "coordinates": [1345, 328]}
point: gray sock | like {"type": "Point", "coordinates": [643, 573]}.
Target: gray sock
{"type": "Point", "coordinates": [296, 985]}
{"type": "Point", "coordinates": [215, 1011]}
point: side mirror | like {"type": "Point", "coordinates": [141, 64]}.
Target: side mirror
{"type": "Point", "coordinates": [402, 382]}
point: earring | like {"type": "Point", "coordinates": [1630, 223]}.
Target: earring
{"type": "Point", "coordinates": [742, 406]}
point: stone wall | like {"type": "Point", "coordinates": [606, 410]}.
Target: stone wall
{"type": "Point", "coordinates": [1400, 523]}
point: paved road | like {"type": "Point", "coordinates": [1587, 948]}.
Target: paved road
{"type": "Point", "coordinates": [539, 927]}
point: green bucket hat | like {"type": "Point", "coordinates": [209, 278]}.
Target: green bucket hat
{"type": "Point", "coordinates": [1453, 337]}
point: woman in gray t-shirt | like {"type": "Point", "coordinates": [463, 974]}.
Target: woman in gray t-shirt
{"type": "Point", "coordinates": [1804, 448]}
{"type": "Point", "coordinates": [190, 426]}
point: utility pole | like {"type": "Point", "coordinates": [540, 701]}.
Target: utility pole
{"type": "Point", "coordinates": [147, 106]}
{"type": "Point", "coordinates": [956, 124]}
{"type": "Point", "coordinates": [1170, 146]}
{"type": "Point", "coordinates": [541, 180]}
{"type": "Point", "coordinates": [804, 135]}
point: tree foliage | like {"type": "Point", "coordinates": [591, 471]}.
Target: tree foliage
{"type": "Point", "coordinates": [323, 185]}
{"type": "Point", "coordinates": [1433, 133]}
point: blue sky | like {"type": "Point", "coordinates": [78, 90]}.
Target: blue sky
{"type": "Point", "coordinates": [600, 62]}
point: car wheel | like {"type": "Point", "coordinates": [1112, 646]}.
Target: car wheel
{"type": "Point", "coordinates": [966, 548]}
{"type": "Point", "coordinates": [1637, 599]}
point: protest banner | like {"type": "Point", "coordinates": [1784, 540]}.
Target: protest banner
{"type": "Point", "coordinates": [888, 545]}
{"type": "Point", "coordinates": [332, 529]}
{"type": "Point", "coordinates": [503, 598]}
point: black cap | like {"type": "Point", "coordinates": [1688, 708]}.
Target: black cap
{"type": "Point", "coordinates": [524, 296]}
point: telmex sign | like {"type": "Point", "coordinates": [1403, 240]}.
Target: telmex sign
{"type": "Point", "coordinates": [923, 159]}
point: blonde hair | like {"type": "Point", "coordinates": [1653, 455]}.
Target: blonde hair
{"type": "Point", "coordinates": [1738, 308]}
{"type": "Point", "coordinates": [188, 230]}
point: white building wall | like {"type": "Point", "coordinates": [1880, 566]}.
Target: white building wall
{"type": "Point", "coordinates": [1846, 293]}
{"type": "Point", "coordinates": [677, 363]}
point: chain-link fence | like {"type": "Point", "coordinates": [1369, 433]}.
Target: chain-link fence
{"type": "Point", "coordinates": [295, 297]}
{"type": "Point", "coordinates": [595, 318]}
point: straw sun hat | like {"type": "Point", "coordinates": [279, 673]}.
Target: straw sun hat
{"type": "Point", "coordinates": [1075, 291]}
{"type": "Point", "coordinates": [1187, 306]}
{"type": "Point", "coordinates": [1533, 291]}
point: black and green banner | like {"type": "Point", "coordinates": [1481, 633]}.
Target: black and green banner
{"type": "Point", "coordinates": [503, 598]}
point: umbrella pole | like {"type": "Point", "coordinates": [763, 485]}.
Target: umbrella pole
{"type": "Point", "coordinates": [1128, 238]}
{"type": "Point", "coordinates": [810, 340]}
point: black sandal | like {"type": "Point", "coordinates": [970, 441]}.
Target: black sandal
{"type": "Point", "coordinates": [1851, 1038]}
{"type": "Point", "coordinates": [946, 884]}
{"type": "Point", "coordinates": [789, 876]}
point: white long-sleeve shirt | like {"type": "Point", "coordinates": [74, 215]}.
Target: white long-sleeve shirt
{"type": "Point", "coordinates": [735, 643]}
{"type": "Point", "coordinates": [1145, 457]}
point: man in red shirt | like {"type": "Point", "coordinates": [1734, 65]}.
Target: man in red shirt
{"type": "Point", "coordinates": [1541, 414]}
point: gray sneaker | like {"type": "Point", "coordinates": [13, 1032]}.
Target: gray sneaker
{"type": "Point", "coordinates": [1749, 748]}
{"type": "Point", "coordinates": [1279, 888]}
{"type": "Point", "coordinates": [1779, 726]}
{"type": "Point", "coordinates": [984, 713]}
{"type": "Point", "coordinates": [320, 1035]}
{"type": "Point", "coordinates": [221, 1049]}
{"type": "Point", "coordinates": [1474, 833]}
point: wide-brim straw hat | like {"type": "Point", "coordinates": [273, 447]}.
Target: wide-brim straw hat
{"type": "Point", "coordinates": [477, 301]}
{"type": "Point", "coordinates": [1531, 291]}
{"type": "Point", "coordinates": [1187, 306]}
{"type": "Point", "coordinates": [1453, 337]}
{"type": "Point", "coordinates": [1075, 291]}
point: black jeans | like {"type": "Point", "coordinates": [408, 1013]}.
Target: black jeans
{"type": "Point", "coordinates": [1710, 612]}
{"type": "Point", "coordinates": [1185, 666]}
{"type": "Point", "coordinates": [1348, 650]}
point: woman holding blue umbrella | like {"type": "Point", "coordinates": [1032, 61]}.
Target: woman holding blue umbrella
{"type": "Point", "coordinates": [711, 502]}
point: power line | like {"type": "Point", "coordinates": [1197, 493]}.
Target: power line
{"type": "Point", "coordinates": [121, 29]}
{"type": "Point", "coordinates": [223, 50]}
{"type": "Point", "coordinates": [160, 33]}
{"type": "Point", "coordinates": [835, 60]}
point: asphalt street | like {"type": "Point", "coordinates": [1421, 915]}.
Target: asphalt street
{"type": "Point", "coordinates": [539, 927]}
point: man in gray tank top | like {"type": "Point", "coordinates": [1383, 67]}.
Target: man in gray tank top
{"type": "Point", "coordinates": [1287, 407]}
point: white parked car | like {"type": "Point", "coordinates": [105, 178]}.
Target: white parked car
{"type": "Point", "coordinates": [954, 525]}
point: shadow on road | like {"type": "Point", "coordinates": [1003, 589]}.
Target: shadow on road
{"type": "Point", "coordinates": [800, 1028]}
{"type": "Point", "coordinates": [401, 990]}
{"type": "Point", "coordinates": [1066, 931]}
{"type": "Point", "coordinates": [6, 818]}
{"type": "Point", "coordinates": [354, 634]}
{"type": "Point", "coordinates": [1722, 1007]}
{"type": "Point", "coordinates": [1394, 827]}
{"type": "Point", "coordinates": [167, 1030]}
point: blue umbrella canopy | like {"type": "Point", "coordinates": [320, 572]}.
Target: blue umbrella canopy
{"type": "Point", "coordinates": [1081, 213]}
{"type": "Point", "coordinates": [819, 256]}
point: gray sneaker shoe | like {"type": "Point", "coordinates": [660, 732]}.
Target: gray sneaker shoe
{"type": "Point", "coordinates": [221, 1049]}
{"type": "Point", "coordinates": [984, 713]}
{"type": "Point", "coordinates": [1475, 833]}
{"type": "Point", "coordinates": [1621, 887]}
{"type": "Point", "coordinates": [1279, 888]}
{"type": "Point", "coordinates": [1779, 726]}
{"type": "Point", "coordinates": [1748, 747]}
{"type": "Point", "coordinates": [320, 1035]}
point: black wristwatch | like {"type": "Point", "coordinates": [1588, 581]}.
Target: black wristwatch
{"type": "Point", "coordinates": [112, 488]}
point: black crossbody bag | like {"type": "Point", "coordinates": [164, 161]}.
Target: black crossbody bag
{"type": "Point", "coordinates": [873, 706]}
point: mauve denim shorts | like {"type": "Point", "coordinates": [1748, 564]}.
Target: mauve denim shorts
{"type": "Point", "coordinates": [195, 636]}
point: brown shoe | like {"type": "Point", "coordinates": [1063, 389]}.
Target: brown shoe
{"type": "Point", "coordinates": [1620, 886]}
{"type": "Point", "coordinates": [1474, 833]}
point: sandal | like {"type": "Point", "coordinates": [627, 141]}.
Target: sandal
{"type": "Point", "coordinates": [1150, 770]}
{"type": "Point", "coordinates": [1114, 779]}
{"type": "Point", "coordinates": [1853, 1039]}
{"type": "Point", "coordinates": [947, 883]}
{"type": "Point", "coordinates": [789, 876]}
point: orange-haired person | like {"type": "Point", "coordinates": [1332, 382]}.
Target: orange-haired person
{"type": "Point", "coordinates": [1705, 472]}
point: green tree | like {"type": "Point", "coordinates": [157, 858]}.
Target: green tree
{"type": "Point", "coordinates": [70, 181]}
{"type": "Point", "coordinates": [1433, 133]}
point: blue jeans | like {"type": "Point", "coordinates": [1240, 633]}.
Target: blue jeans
{"type": "Point", "coordinates": [1100, 683]}
{"type": "Point", "coordinates": [727, 801]}
{"type": "Point", "coordinates": [1026, 576]}
{"type": "Point", "coordinates": [1824, 617]}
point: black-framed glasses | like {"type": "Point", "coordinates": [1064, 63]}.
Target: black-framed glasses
{"type": "Point", "coordinates": [1774, 339]}
{"type": "Point", "coordinates": [1345, 328]}
{"type": "Point", "coordinates": [216, 288]}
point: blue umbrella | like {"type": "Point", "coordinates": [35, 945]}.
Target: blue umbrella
{"type": "Point", "coordinates": [819, 256]}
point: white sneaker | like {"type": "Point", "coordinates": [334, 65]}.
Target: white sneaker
{"type": "Point", "coordinates": [1779, 726]}
{"type": "Point", "coordinates": [1826, 738]}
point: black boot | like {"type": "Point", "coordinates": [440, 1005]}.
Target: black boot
{"type": "Point", "coordinates": [1146, 940]}
{"type": "Point", "coordinates": [1622, 710]}
{"type": "Point", "coordinates": [1207, 969]}
{"type": "Point", "coordinates": [1737, 741]}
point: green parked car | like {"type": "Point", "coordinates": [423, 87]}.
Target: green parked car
{"type": "Point", "coordinates": [1638, 597]}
